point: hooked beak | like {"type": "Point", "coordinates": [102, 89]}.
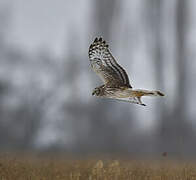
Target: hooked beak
{"type": "Point", "coordinates": [93, 93]}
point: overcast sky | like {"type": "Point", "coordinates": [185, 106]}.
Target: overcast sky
{"type": "Point", "coordinates": [45, 23]}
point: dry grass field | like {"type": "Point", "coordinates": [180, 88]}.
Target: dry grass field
{"type": "Point", "coordinates": [52, 168]}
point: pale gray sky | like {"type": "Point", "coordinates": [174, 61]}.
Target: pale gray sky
{"type": "Point", "coordinates": [46, 23]}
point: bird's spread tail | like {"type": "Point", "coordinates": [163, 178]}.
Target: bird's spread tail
{"type": "Point", "coordinates": [140, 93]}
{"type": "Point", "coordinates": [132, 96]}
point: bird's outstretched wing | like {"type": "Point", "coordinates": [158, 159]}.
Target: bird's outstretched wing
{"type": "Point", "coordinates": [104, 64]}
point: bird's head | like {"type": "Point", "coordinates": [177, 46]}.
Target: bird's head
{"type": "Point", "coordinates": [96, 92]}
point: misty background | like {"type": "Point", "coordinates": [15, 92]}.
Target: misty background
{"type": "Point", "coordinates": [46, 80]}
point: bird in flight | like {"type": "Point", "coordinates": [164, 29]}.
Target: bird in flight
{"type": "Point", "coordinates": [116, 82]}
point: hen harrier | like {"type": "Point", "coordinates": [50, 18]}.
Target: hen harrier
{"type": "Point", "coordinates": [116, 82]}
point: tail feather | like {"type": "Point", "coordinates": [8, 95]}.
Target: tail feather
{"type": "Point", "coordinates": [139, 93]}
{"type": "Point", "coordinates": [153, 93]}
{"type": "Point", "coordinates": [160, 93]}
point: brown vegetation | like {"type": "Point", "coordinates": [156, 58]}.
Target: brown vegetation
{"type": "Point", "coordinates": [40, 168]}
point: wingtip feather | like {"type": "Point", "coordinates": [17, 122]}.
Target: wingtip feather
{"type": "Point", "coordinates": [160, 93]}
{"type": "Point", "coordinates": [96, 39]}
{"type": "Point", "coordinates": [99, 40]}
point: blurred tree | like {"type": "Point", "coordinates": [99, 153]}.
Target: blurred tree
{"type": "Point", "coordinates": [181, 64]}
{"type": "Point", "coordinates": [179, 116]}
{"type": "Point", "coordinates": [5, 21]}
{"type": "Point", "coordinates": [175, 130]}
{"type": "Point", "coordinates": [154, 22]}
{"type": "Point", "coordinates": [103, 17]}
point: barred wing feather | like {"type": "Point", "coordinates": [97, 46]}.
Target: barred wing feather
{"type": "Point", "coordinates": [104, 64]}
